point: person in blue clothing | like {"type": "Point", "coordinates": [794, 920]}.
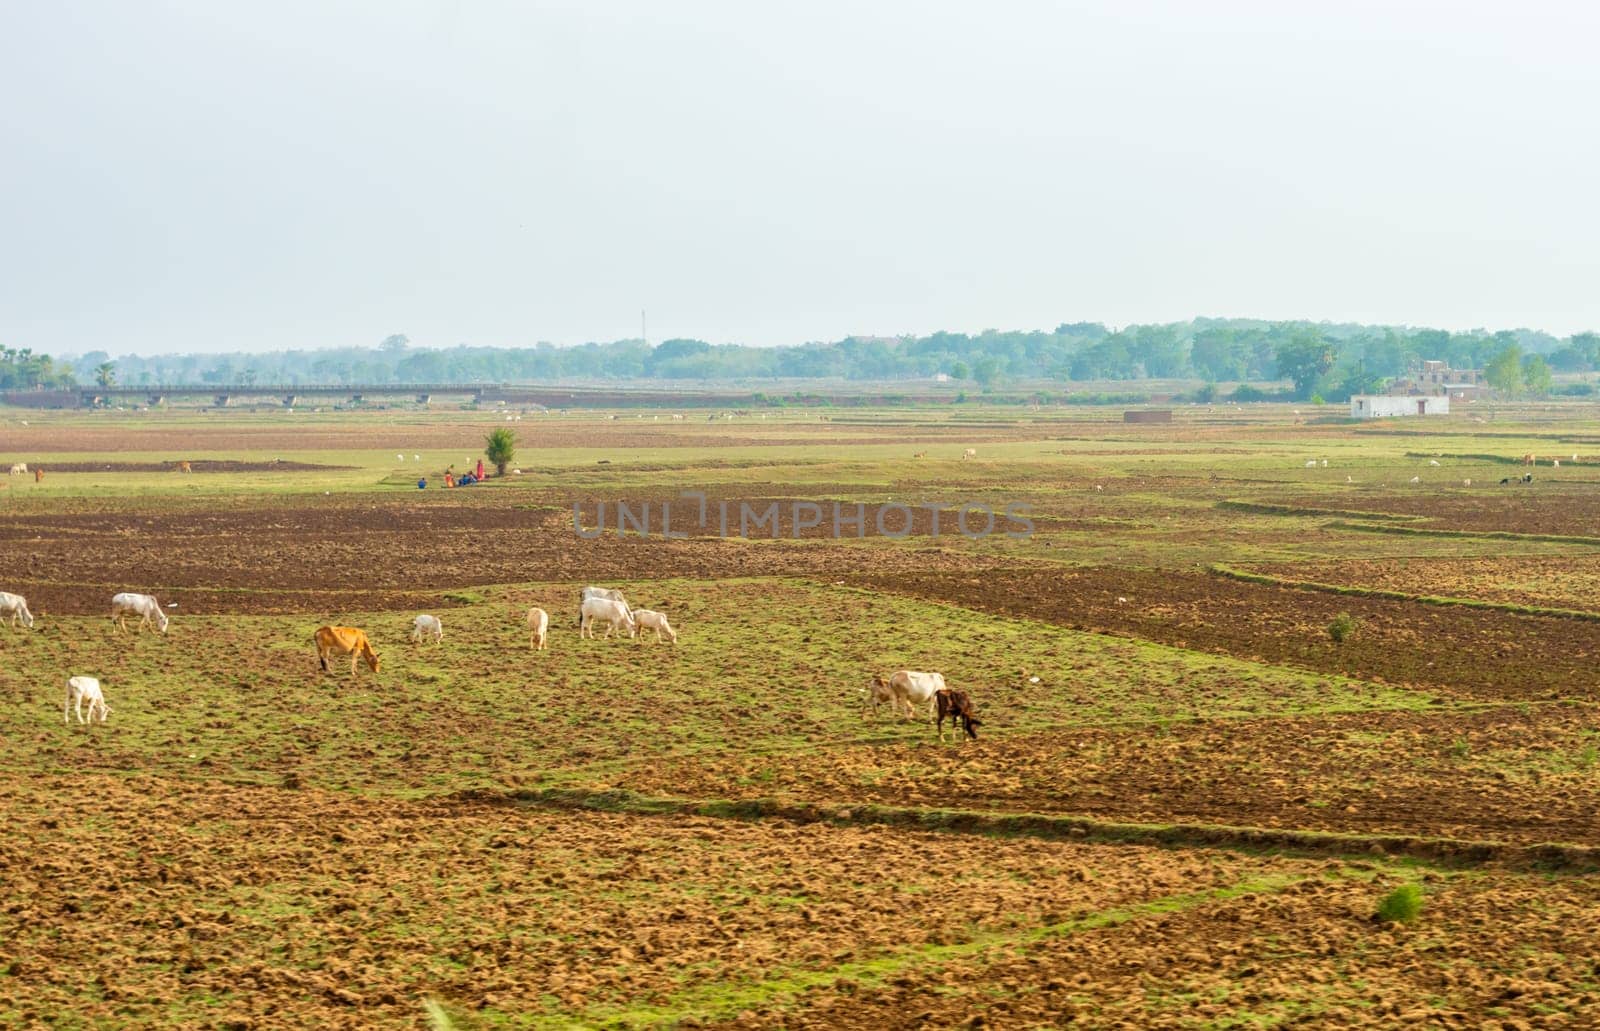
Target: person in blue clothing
{"type": "Point", "coordinates": [422, 484]}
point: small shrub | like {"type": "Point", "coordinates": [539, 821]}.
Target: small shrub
{"type": "Point", "coordinates": [1402, 905]}
{"type": "Point", "coordinates": [1460, 748]}
{"type": "Point", "coordinates": [1343, 626]}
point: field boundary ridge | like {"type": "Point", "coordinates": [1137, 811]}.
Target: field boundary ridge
{"type": "Point", "coordinates": [1454, 851]}
{"type": "Point", "coordinates": [1267, 579]}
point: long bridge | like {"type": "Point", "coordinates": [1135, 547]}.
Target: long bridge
{"type": "Point", "coordinates": [290, 394]}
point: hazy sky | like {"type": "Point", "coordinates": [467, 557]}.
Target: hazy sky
{"type": "Point", "coordinates": [203, 175]}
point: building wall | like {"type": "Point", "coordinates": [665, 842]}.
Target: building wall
{"type": "Point", "coordinates": [1381, 406]}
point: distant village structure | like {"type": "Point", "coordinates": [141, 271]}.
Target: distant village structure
{"type": "Point", "coordinates": [1427, 388]}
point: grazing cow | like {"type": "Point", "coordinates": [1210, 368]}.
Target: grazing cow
{"type": "Point", "coordinates": [19, 469]}
{"type": "Point", "coordinates": [538, 627]}
{"type": "Point", "coordinates": [424, 627]}
{"type": "Point", "coordinates": [1527, 477]}
{"type": "Point", "coordinates": [958, 707]}
{"type": "Point", "coordinates": [1466, 483]}
{"type": "Point", "coordinates": [1433, 461]}
{"type": "Point", "coordinates": [598, 592]}
{"type": "Point", "coordinates": [1505, 481]}
{"type": "Point", "coordinates": [913, 690]}
{"type": "Point", "coordinates": [608, 611]}
{"type": "Point", "coordinates": [142, 605]}
{"type": "Point", "coordinates": [1311, 463]}
{"type": "Point", "coordinates": [920, 454]}
{"type": "Point", "coordinates": [80, 690]}
{"type": "Point", "coordinates": [345, 640]}
{"type": "Point", "coordinates": [14, 610]}
{"type": "Point", "coordinates": [657, 621]}
{"type": "Point", "coordinates": [185, 467]}
{"type": "Point", "coordinates": [38, 475]}
{"type": "Point", "coordinates": [875, 695]}
{"type": "Point", "coordinates": [970, 452]}
{"type": "Point", "coordinates": [1555, 463]}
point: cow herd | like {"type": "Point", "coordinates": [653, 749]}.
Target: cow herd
{"type": "Point", "coordinates": [906, 692]}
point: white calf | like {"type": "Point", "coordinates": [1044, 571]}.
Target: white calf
{"type": "Point", "coordinates": [14, 610]}
{"type": "Point", "coordinates": [19, 469]}
{"type": "Point", "coordinates": [80, 690]}
{"type": "Point", "coordinates": [613, 613]}
{"type": "Point", "coordinates": [424, 627]}
{"type": "Point", "coordinates": [656, 621]}
{"type": "Point", "coordinates": [142, 605]}
{"type": "Point", "coordinates": [538, 627]}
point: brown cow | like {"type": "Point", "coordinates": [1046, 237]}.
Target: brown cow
{"type": "Point", "coordinates": [185, 467]}
{"type": "Point", "coordinates": [38, 475]}
{"type": "Point", "coordinates": [956, 705]}
{"type": "Point", "coordinates": [345, 640]}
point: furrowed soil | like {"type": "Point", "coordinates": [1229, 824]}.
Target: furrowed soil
{"type": "Point", "coordinates": [1469, 653]}
{"type": "Point", "coordinates": [1518, 775]}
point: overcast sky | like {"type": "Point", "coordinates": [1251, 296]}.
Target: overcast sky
{"type": "Point", "coordinates": [196, 175]}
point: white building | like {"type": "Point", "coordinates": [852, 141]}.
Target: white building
{"type": "Point", "coordinates": [1379, 406]}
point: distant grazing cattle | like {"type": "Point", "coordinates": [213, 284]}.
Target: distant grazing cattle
{"type": "Point", "coordinates": [970, 453]}
{"type": "Point", "coordinates": [914, 690]}
{"type": "Point", "coordinates": [958, 707]}
{"type": "Point", "coordinates": [19, 469]}
{"type": "Point", "coordinates": [185, 467]}
{"type": "Point", "coordinates": [920, 454]}
{"type": "Point", "coordinates": [14, 610]}
{"type": "Point", "coordinates": [538, 626]}
{"type": "Point", "coordinates": [80, 690]}
{"type": "Point", "coordinates": [657, 621]}
{"type": "Point", "coordinates": [38, 475]}
{"type": "Point", "coordinates": [141, 605]}
{"type": "Point", "coordinates": [1311, 463]}
{"type": "Point", "coordinates": [345, 640]}
{"type": "Point", "coordinates": [426, 627]}
{"type": "Point", "coordinates": [612, 613]}
{"type": "Point", "coordinates": [598, 592]}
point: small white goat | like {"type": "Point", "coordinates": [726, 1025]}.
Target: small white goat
{"type": "Point", "coordinates": [424, 627]}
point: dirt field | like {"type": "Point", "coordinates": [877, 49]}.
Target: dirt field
{"type": "Point", "coordinates": [622, 833]}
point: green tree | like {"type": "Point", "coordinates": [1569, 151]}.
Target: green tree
{"type": "Point", "coordinates": [1536, 376]}
{"type": "Point", "coordinates": [500, 449]}
{"type": "Point", "coordinates": [959, 370]}
{"type": "Point", "coordinates": [105, 374]}
{"type": "Point", "coordinates": [1304, 357]}
{"type": "Point", "coordinates": [394, 343]}
{"type": "Point", "coordinates": [1504, 371]}
{"type": "Point", "coordinates": [986, 371]}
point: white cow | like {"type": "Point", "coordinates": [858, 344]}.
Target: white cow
{"type": "Point", "coordinates": [14, 610]}
{"type": "Point", "coordinates": [424, 627]}
{"type": "Point", "coordinates": [656, 621]}
{"type": "Point", "coordinates": [599, 592]}
{"type": "Point", "coordinates": [606, 610]}
{"type": "Point", "coordinates": [142, 605]}
{"type": "Point", "coordinates": [19, 469]}
{"type": "Point", "coordinates": [970, 452]}
{"type": "Point", "coordinates": [913, 689]}
{"type": "Point", "coordinates": [538, 627]}
{"type": "Point", "coordinates": [80, 690]}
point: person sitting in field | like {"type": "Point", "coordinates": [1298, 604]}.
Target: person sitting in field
{"type": "Point", "coordinates": [422, 484]}
{"type": "Point", "coordinates": [449, 480]}
{"type": "Point", "coordinates": [467, 480]}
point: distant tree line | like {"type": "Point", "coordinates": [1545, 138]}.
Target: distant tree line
{"type": "Point", "coordinates": [1331, 360]}
{"type": "Point", "coordinates": [21, 369]}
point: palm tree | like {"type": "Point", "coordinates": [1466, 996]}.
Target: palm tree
{"type": "Point", "coordinates": [105, 374]}
{"type": "Point", "coordinates": [500, 449]}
